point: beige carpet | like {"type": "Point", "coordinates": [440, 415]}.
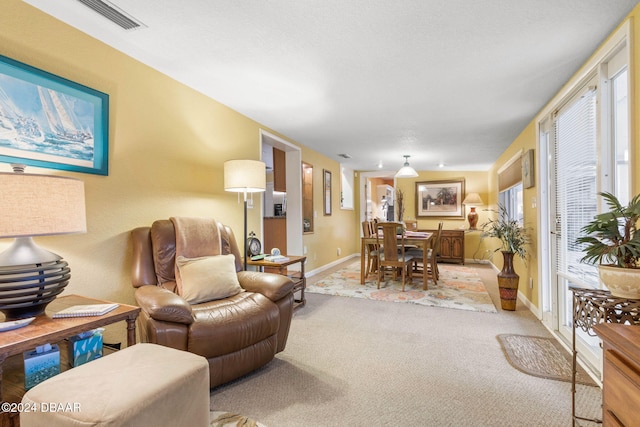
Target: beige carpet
{"type": "Point", "coordinates": [541, 357]}
{"type": "Point", "coordinates": [359, 362]}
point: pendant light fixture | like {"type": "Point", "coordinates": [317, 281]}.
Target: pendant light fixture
{"type": "Point", "coordinates": [406, 171]}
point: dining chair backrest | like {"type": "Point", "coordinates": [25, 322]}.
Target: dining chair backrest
{"type": "Point", "coordinates": [392, 247]}
{"type": "Point", "coordinates": [367, 228]}
{"type": "Point", "coordinates": [436, 242]}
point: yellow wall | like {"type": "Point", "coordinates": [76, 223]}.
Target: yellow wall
{"type": "Point", "coordinates": [333, 232]}
{"type": "Point", "coordinates": [167, 146]}
{"type": "Point", "coordinates": [528, 269]}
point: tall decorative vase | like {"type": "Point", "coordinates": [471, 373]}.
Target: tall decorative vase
{"type": "Point", "coordinates": [508, 283]}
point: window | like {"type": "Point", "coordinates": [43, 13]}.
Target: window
{"type": "Point", "coordinates": [620, 134]}
{"type": "Point", "coordinates": [584, 138]}
{"type": "Point", "coordinates": [511, 200]}
{"type": "Point", "coordinates": [510, 189]}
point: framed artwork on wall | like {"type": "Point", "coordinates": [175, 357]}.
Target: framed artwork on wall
{"type": "Point", "coordinates": [51, 122]}
{"type": "Point", "coordinates": [440, 199]}
{"type": "Point", "coordinates": [326, 187]}
{"type": "Point", "coordinates": [528, 176]}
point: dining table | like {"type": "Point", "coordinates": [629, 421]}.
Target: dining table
{"type": "Point", "coordinates": [421, 239]}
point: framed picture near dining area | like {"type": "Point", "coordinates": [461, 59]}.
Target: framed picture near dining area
{"type": "Point", "coordinates": [326, 187]}
{"type": "Point", "coordinates": [440, 198]}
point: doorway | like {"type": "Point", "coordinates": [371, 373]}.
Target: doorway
{"type": "Point", "coordinates": [293, 184]}
{"type": "Point", "coordinates": [371, 203]}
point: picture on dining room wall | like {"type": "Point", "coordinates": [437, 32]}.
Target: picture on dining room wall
{"type": "Point", "coordinates": [51, 122]}
{"type": "Point", "coordinates": [440, 199]}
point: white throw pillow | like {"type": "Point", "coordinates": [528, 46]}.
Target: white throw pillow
{"type": "Point", "coordinates": [208, 278]}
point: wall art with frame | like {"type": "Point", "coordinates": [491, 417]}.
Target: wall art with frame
{"type": "Point", "coordinates": [51, 122]}
{"type": "Point", "coordinates": [528, 171]}
{"type": "Point", "coordinates": [435, 199]}
{"type": "Point", "coordinates": [326, 187]}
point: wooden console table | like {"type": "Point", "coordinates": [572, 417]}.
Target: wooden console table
{"type": "Point", "coordinates": [590, 308]}
{"type": "Point", "coordinates": [45, 330]}
{"type": "Point", "coordinates": [298, 277]}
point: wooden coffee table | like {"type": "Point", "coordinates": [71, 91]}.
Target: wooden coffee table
{"type": "Point", "coordinates": [45, 330]}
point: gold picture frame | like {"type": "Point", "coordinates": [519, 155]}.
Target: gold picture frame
{"type": "Point", "coordinates": [326, 193]}
{"type": "Point", "coordinates": [528, 172]}
{"type": "Point", "coordinates": [440, 199]}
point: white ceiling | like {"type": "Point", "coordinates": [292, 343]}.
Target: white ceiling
{"type": "Point", "coordinates": [452, 81]}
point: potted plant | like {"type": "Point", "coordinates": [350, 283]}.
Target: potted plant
{"type": "Point", "coordinates": [611, 241]}
{"type": "Point", "coordinates": [514, 241]}
{"type": "Point", "coordinates": [400, 204]}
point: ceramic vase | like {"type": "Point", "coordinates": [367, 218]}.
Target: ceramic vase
{"type": "Point", "coordinates": [508, 283]}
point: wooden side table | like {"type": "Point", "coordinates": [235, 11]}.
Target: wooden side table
{"type": "Point", "coordinates": [298, 277]}
{"type": "Point", "coordinates": [45, 330]}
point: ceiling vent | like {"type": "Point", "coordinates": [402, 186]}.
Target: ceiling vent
{"type": "Point", "coordinates": [344, 156]}
{"type": "Point", "coordinates": [113, 14]}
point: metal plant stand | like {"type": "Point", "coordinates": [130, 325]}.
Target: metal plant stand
{"type": "Point", "coordinates": [591, 307]}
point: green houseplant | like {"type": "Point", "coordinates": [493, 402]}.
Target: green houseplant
{"type": "Point", "coordinates": [611, 241]}
{"type": "Point", "coordinates": [514, 240]}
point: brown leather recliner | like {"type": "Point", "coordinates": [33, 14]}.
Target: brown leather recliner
{"type": "Point", "coordinates": [237, 334]}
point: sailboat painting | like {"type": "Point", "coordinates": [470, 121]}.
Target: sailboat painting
{"type": "Point", "coordinates": [48, 121]}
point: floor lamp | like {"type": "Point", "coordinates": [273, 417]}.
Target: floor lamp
{"type": "Point", "coordinates": [35, 205]}
{"type": "Point", "coordinates": [245, 176]}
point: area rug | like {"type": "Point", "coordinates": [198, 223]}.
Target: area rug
{"type": "Point", "coordinates": [459, 287]}
{"type": "Point", "coordinates": [541, 357]}
{"type": "Point", "coordinates": [229, 419]}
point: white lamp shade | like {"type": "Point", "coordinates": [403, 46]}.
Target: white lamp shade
{"type": "Point", "coordinates": [473, 199]}
{"type": "Point", "coordinates": [41, 205]}
{"type": "Point", "coordinates": [406, 172]}
{"type": "Point", "coordinates": [242, 176]}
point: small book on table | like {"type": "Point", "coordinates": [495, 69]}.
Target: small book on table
{"type": "Point", "coordinates": [86, 310]}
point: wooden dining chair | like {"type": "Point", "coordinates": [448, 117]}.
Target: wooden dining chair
{"type": "Point", "coordinates": [431, 269]}
{"type": "Point", "coordinates": [391, 251]}
{"type": "Point", "coordinates": [371, 249]}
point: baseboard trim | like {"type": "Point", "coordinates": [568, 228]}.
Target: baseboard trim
{"type": "Point", "coordinates": [330, 265]}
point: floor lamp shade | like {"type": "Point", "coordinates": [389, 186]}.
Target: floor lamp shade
{"type": "Point", "coordinates": [36, 205]}
{"type": "Point", "coordinates": [474, 200]}
{"type": "Point", "coordinates": [245, 176]}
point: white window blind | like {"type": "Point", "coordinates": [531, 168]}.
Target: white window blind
{"type": "Point", "coordinates": [576, 190]}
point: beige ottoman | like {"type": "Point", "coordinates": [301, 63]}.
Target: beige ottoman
{"type": "Point", "coordinates": [142, 385]}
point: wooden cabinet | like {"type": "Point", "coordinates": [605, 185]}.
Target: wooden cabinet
{"type": "Point", "coordinates": [621, 374]}
{"type": "Point", "coordinates": [279, 171]}
{"type": "Point", "coordinates": [275, 235]}
{"type": "Point", "coordinates": [451, 246]}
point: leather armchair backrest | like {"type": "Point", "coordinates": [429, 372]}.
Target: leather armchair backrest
{"type": "Point", "coordinates": [154, 252]}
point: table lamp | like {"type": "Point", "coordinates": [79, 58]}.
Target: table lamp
{"type": "Point", "coordinates": [245, 176]}
{"type": "Point", "coordinates": [475, 200]}
{"type": "Point", "coordinates": [35, 205]}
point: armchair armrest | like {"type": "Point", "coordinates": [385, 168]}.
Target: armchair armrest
{"type": "Point", "coordinates": [271, 285]}
{"type": "Point", "coordinates": [162, 304]}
